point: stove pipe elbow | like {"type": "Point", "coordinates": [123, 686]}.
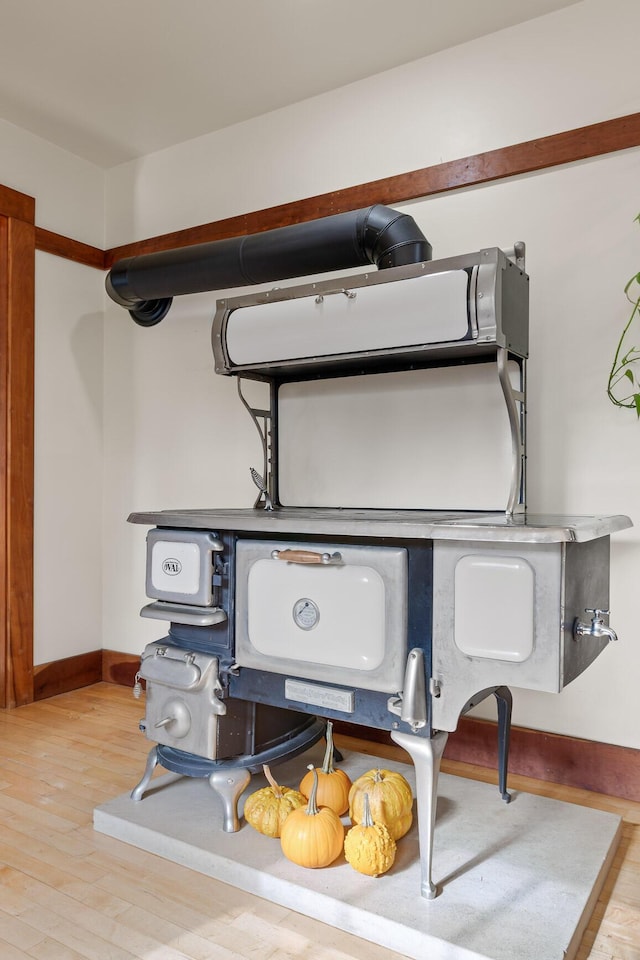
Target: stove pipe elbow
{"type": "Point", "coordinates": [378, 235]}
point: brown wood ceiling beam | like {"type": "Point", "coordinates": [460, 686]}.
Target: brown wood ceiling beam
{"type": "Point", "coordinates": [582, 143]}
{"type": "Point", "coordinates": [59, 246]}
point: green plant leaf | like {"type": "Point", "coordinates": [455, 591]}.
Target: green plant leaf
{"type": "Point", "coordinates": [623, 362]}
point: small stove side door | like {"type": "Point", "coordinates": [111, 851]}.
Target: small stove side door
{"type": "Point", "coordinates": [496, 622]}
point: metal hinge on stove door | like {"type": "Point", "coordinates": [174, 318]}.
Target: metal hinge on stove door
{"type": "Point", "coordinates": [411, 704]}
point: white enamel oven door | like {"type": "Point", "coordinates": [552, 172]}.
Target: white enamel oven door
{"type": "Point", "coordinates": [343, 622]}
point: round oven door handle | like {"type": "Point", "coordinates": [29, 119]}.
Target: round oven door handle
{"type": "Point", "coordinates": [306, 556]}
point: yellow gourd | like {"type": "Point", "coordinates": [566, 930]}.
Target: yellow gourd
{"type": "Point", "coordinates": [267, 809]}
{"type": "Point", "coordinates": [333, 784]}
{"type": "Point", "coordinates": [312, 836]}
{"type": "Point", "coordinates": [369, 846]}
{"type": "Point", "coordinates": [390, 798]}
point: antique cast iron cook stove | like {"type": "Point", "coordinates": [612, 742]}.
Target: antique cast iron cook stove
{"type": "Point", "coordinates": [395, 619]}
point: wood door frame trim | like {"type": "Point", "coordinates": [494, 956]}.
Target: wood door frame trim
{"type": "Point", "coordinates": [17, 338]}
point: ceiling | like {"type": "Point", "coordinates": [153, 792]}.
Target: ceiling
{"type": "Point", "coordinates": [113, 81]}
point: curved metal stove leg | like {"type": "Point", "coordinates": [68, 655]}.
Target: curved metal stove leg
{"type": "Point", "coordinates": [152, 762]}
{"type": "Point", "coordinates": [229, 784]}
{"type": "Point", "coordinates": [426, 755]}
{"type": "Point", "coordinates": [504, 700]}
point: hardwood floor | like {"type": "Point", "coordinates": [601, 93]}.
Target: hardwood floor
{"type": "Point", "coordinates": [68, 893]}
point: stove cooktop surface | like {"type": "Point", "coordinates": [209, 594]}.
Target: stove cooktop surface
{"type": "Point", "coordinates": [400, 524]}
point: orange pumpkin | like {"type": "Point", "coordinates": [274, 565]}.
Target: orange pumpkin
{"type": "Point", "coordinates": [267, 809]}
{"type": "Point", "coordinates": [333, 784]}
{"type": "Point", "coordinates": [312, 836]}
{"type": "Point", "coordinates": [390, 798]}
{"type": "Point", "coordinates": [369, 846]}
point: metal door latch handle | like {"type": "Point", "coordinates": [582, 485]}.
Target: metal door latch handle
{"type": "Point", "coordinates": [165, 722]}
{"type": "Point", "coordinates": [307, 556]}
{"type": "Point", "coordinates": [349, 294]}
{"type": "Point", "coordinates": [177, 719]}
{"type": "Point", "coordinates": [411, 704]}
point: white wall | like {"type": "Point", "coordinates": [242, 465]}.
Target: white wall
{"type": "Point", "coordinates": [176, 435]}
{"type": "Point", "coordinates": [69, 196]}
{"type": "Point", "coordinates": [69, 191]}
{"type": "Point", "coordinates": [68, 459]}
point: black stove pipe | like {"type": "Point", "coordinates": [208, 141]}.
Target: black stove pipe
{"type": "Point", "coordinates": [378, 235]}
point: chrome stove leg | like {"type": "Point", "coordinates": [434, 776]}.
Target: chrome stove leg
{"type": "Point", "coordinates": [229, 784]}
{"type": "Point", "coordinates": [152, 762]}
{"type": "Point", "coordinates": [426, 755]}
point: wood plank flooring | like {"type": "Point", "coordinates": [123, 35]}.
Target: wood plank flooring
{"type": "Point", "coordinates": [68, 893]}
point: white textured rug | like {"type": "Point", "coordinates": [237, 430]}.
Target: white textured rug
{"type": "Point", "coordinates": [519, 881]}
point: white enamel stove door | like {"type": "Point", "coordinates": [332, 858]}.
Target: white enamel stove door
{"type": "Point", "coordinates": [431, 308]}
{"type": "Point", "coordinates": [342, 623]}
